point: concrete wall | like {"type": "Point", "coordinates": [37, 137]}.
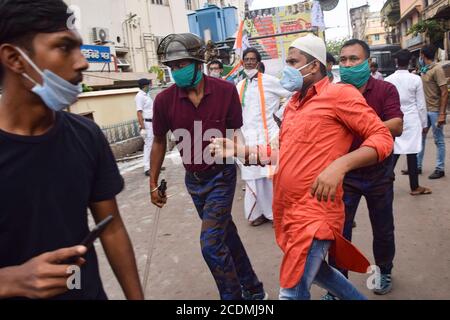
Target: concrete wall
{"type": "Point", "coordinates": [358, 21]}
{"type": "Point", "coordinates": [125, 148]}
{"type": "Point", "coordinates": [108, 107]}
{"type": "Point", "coordinates": [169, 19]}
{"type": "Point", "coordinates": [405, 5]}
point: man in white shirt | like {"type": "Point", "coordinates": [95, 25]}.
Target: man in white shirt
{"type": "Point", "coordinates": [331, 61]}
{"type": "Point", "coordinates": [215, 69]}
{"type": "Point", "coordinates": [413, 105]}
{"type": "Point", "coordinates": [261, 96]}
{"type": "Point", "coordinates": [144, 107]}
{"type": "Point", "coordinates": [374, 71]}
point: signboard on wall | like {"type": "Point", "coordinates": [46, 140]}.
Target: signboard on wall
{"type": "Point", "coordinates": [277, 20]}
{"type": "Point", "coordinates": [96, 54]}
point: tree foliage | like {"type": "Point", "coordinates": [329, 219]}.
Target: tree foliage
{"type": "Point", "coordinates": [434, 29]}
{"type": "Point", "coordinates": [334, 46]}
{"type": "Point", "coordinates": [159, 73]}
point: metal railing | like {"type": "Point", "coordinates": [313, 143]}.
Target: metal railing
{"type": "Point", "coordinates": [121, 131]}
{"type": "Point", "coordinates": [127, 130]}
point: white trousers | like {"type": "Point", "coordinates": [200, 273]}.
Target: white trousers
{"type": "Point", "coordinates": [258, 199]}
{"type": "Point", "coordinates": [148, 144]}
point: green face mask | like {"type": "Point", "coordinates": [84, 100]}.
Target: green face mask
{"type": "Point", "coordinates": [357, 75]}
{"type": "Point", "coordinates": [184, 77]}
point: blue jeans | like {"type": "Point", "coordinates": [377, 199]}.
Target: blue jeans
{"type": "Point", "coordinates": [439, 140]}
{"type": "Point", "coordinates": [319, 272]}
{"type": "Point", "coordinates": [221, 245]}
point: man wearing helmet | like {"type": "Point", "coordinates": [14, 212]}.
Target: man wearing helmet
{"type": "Point", "coordinates": [196, 109]}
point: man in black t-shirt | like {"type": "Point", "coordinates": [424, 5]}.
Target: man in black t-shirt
{"type": "Point", "coordinates": [53, 165]}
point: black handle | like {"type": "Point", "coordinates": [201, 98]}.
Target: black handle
{"type": "Point", "coordinates": [163, 187]}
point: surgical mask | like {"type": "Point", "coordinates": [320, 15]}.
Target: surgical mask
{"type": "Point", "coordinates": [423, 67]}
{"type": "Point", "coordinates": [184, 77]}
{"type": "Point", "coordinates": [357, 75]}
{"type": "Point", "coordinates": [292, 79]}
{"type": "Point", "coordinates": [56, 92]}
{"type": "Point", "coordinates": [251, 73]}
{"type": "Point", "coordinates": [421, 62]}
{"type": "Point", "coordinates": [215, 74]}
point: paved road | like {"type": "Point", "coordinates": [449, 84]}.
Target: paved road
{"type": "Point", "coordinates": [422, 262]}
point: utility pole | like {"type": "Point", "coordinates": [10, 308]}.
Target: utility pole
{"type": "Point", "coordinates": [348, 20]}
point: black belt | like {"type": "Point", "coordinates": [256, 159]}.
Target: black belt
{"type": "Point", "coordinates": [208, 173]}
{"type": "Point", "coordinates": [148, 120]}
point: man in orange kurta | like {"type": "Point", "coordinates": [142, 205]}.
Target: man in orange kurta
{"type": "Point", "coordinates": [317, 132]}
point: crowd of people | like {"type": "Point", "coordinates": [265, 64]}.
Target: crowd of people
{"type": "Point", "coordinates": [309, 146]}
{"type": "Point", "coordinates": [321, 121]}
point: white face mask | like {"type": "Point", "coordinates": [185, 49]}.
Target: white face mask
{"type": "Point", "coordinates": [251, 73]}
{"type": "Point", "coordinates": [215, 74]}
{"type": "Point", "coordinates": [56, 92]}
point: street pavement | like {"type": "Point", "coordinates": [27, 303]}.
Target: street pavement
{"type": "Point", "coordinates": [178, 271]}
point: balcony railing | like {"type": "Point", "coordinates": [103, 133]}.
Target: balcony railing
{"type": "Point", "coordinates": [414, 40]}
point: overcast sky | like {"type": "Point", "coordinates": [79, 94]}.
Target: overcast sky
{"type": "Point", "coordinates": [335, 20]}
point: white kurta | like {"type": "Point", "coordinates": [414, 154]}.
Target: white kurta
{"type": "Point", "coordinates": [253, 128]}
{"type": "Point", "coordinates": [259, 185]}
{"type": "Point", "coordinates": [412, 100]}
{"type": "Point", "coordinates": [258, 199]}
{"type": "Point", "coordinates": [144, 103]}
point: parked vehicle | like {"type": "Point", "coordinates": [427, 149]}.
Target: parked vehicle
{"type": "Point", "coordinates": [383, 55]}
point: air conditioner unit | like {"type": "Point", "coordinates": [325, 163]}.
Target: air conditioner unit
{"type": "Point", "coordinates": [100, 35]}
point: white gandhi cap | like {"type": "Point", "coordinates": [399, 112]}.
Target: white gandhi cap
{"type": "Point", "coordinates": [313, 46]}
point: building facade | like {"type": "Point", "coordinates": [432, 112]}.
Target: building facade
{"type": "Point", "coordinates": [358, 17]}
{"type": "Point", "coordinates": [440, 10]}
{"type": "Point", "coordinates": [398, 16]}
{"type": "Point", "coordinates": [374, 29]}
{"type": "Point", "coordinates": [410, 14]}
{"type": "Point", "coordinates": [390, 15]}
{"type": "Point", "coordinates": [132, 28]}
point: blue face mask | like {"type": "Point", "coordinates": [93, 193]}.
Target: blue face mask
{"type": "Point", "coordinates": [421, 62]}
{"type": "Point", "coordinates": [184, 77]}
{"type": "Point", "coordinates": [55, 92]}
{"type": "Point", "coordinates": [423, 67]}
{"type": "Point", "coordinates": [292, 79]}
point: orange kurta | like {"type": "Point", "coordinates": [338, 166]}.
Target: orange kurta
{"type": "Point", "coordinates": [316, 131]}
